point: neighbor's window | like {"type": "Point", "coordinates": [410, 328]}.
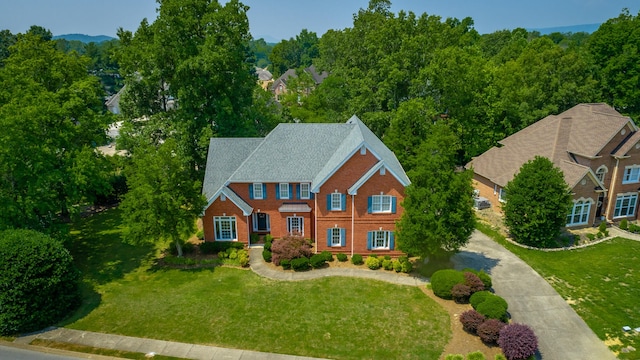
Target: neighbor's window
{"type": "Point", "coordinates": [625, 205]}
{"type": "Point", "coordinates": [579, 213]}
{"type": "Point", "coordinates": [631, 174]}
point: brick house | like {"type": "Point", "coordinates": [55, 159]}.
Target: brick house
{"type": "Point", "coordinates": [337, 184]}
{"type": "Point", "coordinates": [597, 149]}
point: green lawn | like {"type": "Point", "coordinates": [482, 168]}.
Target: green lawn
{"type": "Point", "coordinates": [601, 282]}
{"type": "Point", "coordinates": [340, 318]}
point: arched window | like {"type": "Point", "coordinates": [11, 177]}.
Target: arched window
{"type": "Point", "coordinates": [601, 172]}
{"type": "Point", "coordinates": [579, 214]}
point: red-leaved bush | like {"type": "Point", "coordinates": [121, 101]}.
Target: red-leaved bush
{"type": "Point", "coordinates": [489, 331]}
{"type": "Point", "coordinates": [460, 293]}
{"type": "Point", "coordinates": [471, 319]}
{"type": "Point", "coordinates": [517, 341]}
{"type": "Point", "coordinates": [290, 247]}
{"type": "Point", "coordinates": [473, 282]}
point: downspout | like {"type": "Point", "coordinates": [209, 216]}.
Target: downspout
{"type": "Point", "coordinates": [613, 190]}
{"type": "Point", "coordinates": [315, 220]}
{"type": "Point", "coordinates": [352, 221]}
{"type": "Point", "coordinates": [248, 232]}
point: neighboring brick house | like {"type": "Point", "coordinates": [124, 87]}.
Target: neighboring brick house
{"type": "Point", "coordinates": [597, 149]}
{"type": "Point", "coordinates": [337, 184]}
{"type": "Point", "coordinates": [279, 86]}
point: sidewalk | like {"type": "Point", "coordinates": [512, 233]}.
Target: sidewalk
{"type": "Point", "coordinates": [146, 346]}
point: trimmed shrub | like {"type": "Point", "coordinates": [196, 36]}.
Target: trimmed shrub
{"type": "Point", "coordinates": [485, 278]}
{"type": "Point", "coordinates": [489, 331]}
{"type": "Point", "coordinates": [233, 254]}
{"type": "Point", "coordinates": [267, 244]}
{"type": "Point", "coordinates": [254, 238]}
{"type": "Point", "coordinates": [634, 228]}
{"type": "Point", "coordinates": [268, 238]}
{"type": "Point", "coordinates": [222, 255]}
{"type": "Point", "coordinates": [317, 261]}
{"type": "Point", "coordinates": [356, 259]}
{"type": "Point", "coordinates": [500, 357]}
{"type": "Point", "coordinates": [290, 247]}
{"type": "Point", "coordinates": [517, 341]}
{"type": "Point", "coordinates": [243, 258]}
{"type": "Point", "coordinates": [602, 227]}
{"type": "Point", "coordinates": [342, 257]}
{"type": "Point", "coordinates": [460, 293]}
{"type": "Point", "coordinates": [38, 281]}
{"type": "Point", "coordinates": [473, 282]}
{"type": "Point", "coordinates": [471, 319]}
{"type": "Point", "coordinates": [387, 264]}
{"type": "Point", "coordinates": [476, 355]}
{"type": "Point", "coordinates": [478, 298]}
{"type": "Point", "coordinates": [397, 265]}
{"type": "Point", "coordinates": [214, 247]}
{"type": "Point", "coordinates": [442, 281]}
{"type": "Point", "coordinates": [286, 264]}
{"type": "Point", "coordinates": [624, 224]}
{"type": "Point", "coordinates": [300, 264]}
{"type": "Point", "coordinates": [407, 266]}
{"type": "Point", "coordinates": [372, 262]}
{"type": "Point", "coordinates": [327, 255]}
{"type": "Point", "coordinates": [267, 255]}
{"type": "Point", "coordinates": [454, 357]}
{"type": "Point", "coordinates": [387, 257]}
{"type": "Point", "coordinates": [493, 307]}
{"type": "Point", "coordinates": [591, 237]}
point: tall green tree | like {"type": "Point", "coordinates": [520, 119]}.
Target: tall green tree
{"type": "Point", "coordinates": [163, 201]}
{"type": "Point", "coordinates": [537, 203]}
{"type": "Point", "coordinates": [294, 53]}
{"type": "Point", "coordinates": [197, 54]}
{"type": "Point", "coordinates": [615, 48]}
{"type": "Point", "coordinates": [438, 215]}
{"type": "Point", "coordinates": [52, 116]}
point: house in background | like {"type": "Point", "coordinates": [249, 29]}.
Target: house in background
{"type": "Point", "coordinates": [337, 184]}
{"type": "Point", "coordinates": [265, 78]}
{"type": "Point", "coordinates": [279, 86]}
{"type": "Point", "coordinates": [597, 149]}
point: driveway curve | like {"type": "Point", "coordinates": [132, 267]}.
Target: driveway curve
{"type": "Point", "coordinates": [562, 334]}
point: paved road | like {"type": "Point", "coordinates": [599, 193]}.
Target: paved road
{"type": "Point", "coordinates": [17, 352]}
{"type": "Point", "coordinates": [562, 334]}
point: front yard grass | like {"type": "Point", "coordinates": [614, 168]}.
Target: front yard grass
{"type": "Point", "coordinates": [600, 282]}
{"type": "Point", "coordinates": [342, 318]}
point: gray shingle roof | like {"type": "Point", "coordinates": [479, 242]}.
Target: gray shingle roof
{"type": "Point", "coordinates": [293, 153]}
{"type": "Point", "coordinates": [583, 130]}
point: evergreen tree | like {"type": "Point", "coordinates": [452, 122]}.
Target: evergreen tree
{"type": "Point", "coordinates": [537, 203]}
{"type": "Point", "coordinates": [438, 214]}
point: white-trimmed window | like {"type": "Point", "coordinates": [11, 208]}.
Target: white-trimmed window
{"type": "Point", "coordinates": [601, 172]}
{"type": "Point", "coordinates": [336, 236]}
{"type": "Point", "coordinates": [336, 201]}
{"type": "Point", "coordinates": [225, 228]}
{"type": "Point", "coordinates": [502, 195]}
{"type": "Point", "coordinates": [295, 225]}
{"type": "Point", "coordinates": [625, 205]}
{"type": "Point", "coordinates": [257, 191]}
{"type": "Point", "coordinates": [305, 191]}
{"type": "Point", "coordinates": [380, 239]}
{"type": "Point", "coordinates": [284, 191]}
{"type": "Point", "coordinates": [381, 204]}
{"type": "Point", "coordinates": [631, 174]}
{"type": "Point", "coordinates": [579, 214]}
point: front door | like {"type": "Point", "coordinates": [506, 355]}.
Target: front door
{"type": "Point", "coordinates": [599, 207]}
{"type": "Point", "coordinates": [261, 222]}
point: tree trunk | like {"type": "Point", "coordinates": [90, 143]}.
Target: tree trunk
{"type": "Point", "coordinates": [178, 247]}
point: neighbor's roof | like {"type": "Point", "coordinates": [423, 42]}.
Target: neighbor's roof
{"type": "Point", "coordinates": [583, 130]}
{"type": "Point", "coordinates": [293, 153]}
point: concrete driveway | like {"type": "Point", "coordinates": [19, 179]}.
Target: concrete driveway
{"type": "Point", "coordinates": [562, 334]}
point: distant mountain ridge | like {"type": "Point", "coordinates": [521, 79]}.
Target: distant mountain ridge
{"type": "Point", "coordinates": [588, 28]}
{"type": "Point", "coordinates": [84, 38]}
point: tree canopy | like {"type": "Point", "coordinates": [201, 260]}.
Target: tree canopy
{"type": "Point", "coordinates": [438, 215]}
{"type": "Point", "coordinates": [537, 202]}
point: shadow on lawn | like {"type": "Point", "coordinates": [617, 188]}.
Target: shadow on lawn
{"type": "Point", "coordinates": [100, 254]}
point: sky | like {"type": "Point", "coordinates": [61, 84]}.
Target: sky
{"type": "Point", "coordinates": [275, 20]}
